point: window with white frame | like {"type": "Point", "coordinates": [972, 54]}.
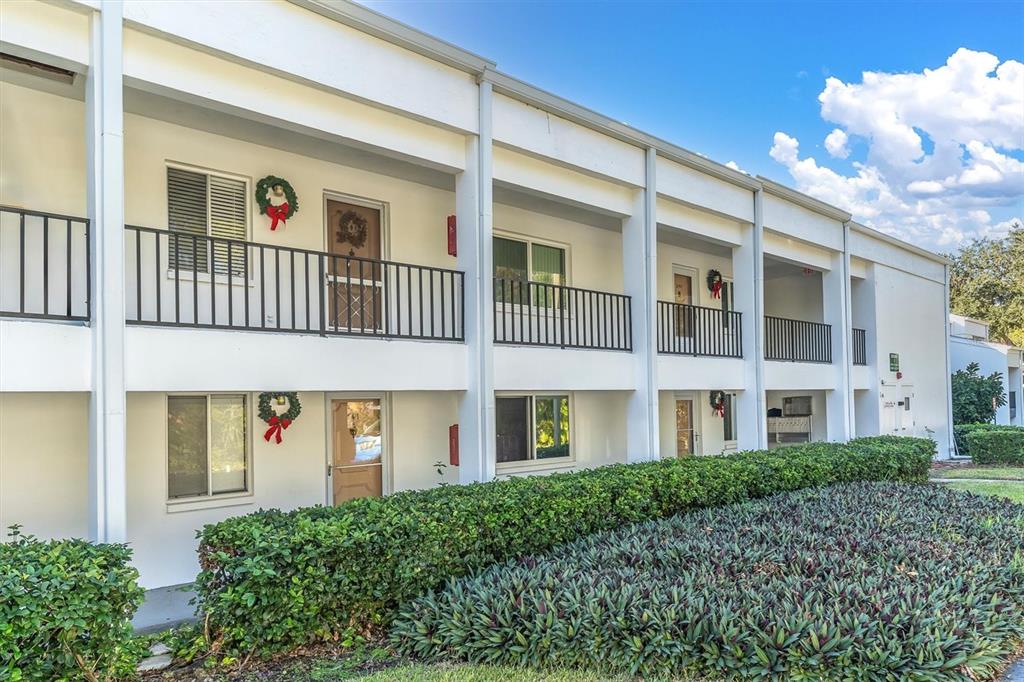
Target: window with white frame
{"type": "Point", "coordinates": [728, 303]}
{"type": "Point", "coordinates": [729, 419]}
{"type": "Point", "coordinates": [517, 261]}
{"type": "Point", "coordinates": [532, 427]}
{"type": "Point", "coordinates": [207, 445]}
{"type": "Point", "coordinates": [205, 209]}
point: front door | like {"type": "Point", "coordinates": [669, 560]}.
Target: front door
{"type": "Point", "coordinates": [686, 436]}
{"type": "Point", "coordinates": [355, 276]}
{"type": "Point", "coordinates": [684, 295]}
{"type": "Point", "coordinates": [357, 449]}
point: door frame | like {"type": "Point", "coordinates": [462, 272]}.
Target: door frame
{"type": "Point", "coordinates": [366, 202]}
{"type": "Point", "coordinates": [696, 423]}
{"type": "Point", "coordinates": [386, 474]}
{"type": "Point", "coordinates": [694, 275]}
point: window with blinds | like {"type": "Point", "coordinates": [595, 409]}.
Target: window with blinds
{"type": "Point", "coordinates": [203, 212]}
{"type": "Point", "coordinates": [518, 261]}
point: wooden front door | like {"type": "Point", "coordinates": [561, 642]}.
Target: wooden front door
{"type": "Point", "coordinates": [684, 295]}
{"type": "Point", "coordinates": [355, 276]}
{"type": "Point", "coordinates": [685, 434]}
{"type": "Point", "coordinates": [357, 449]}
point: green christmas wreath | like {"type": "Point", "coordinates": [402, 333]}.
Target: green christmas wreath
{"type": "Point", "coordinates": [278, 422]}
{"type": "Point", "coordinates": [717, 400]}
{"type": "Point", "coordinates": [281, 212]}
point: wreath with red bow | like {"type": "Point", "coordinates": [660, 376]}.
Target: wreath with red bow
{"type": "Point", "coordinates": [278, 422]}
{"type": "Point", "coordinates": [715, 283]}
{"type": "Point", "coordinates": [281, 212]}
{"type": "Point", "coordinates": [717, 400]}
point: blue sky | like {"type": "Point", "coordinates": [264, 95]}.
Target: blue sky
{"type": "Point", "coordinates": [722, 79]}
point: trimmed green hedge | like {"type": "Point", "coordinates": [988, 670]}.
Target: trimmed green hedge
{"type": "Point", "coordinates": [272, 580]}
{"type": "Point", "coordinates": [1002, 446]}
{"type": "Point", "coordinates": [858, 581]}
{"type": "Point", "coordinates": [65, 610]}
{"type": "Point", "coordinates": [961, 431]}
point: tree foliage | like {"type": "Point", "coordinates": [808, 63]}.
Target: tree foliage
{"type": "Point", "coordinates": [987, 282]}
{"type": "Point", "coordinates": [976, 397]}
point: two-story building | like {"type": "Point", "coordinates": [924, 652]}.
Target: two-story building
{"type": "Point", "coordinates": [473, 278]}
{"type": "Point", "coordinates": [970, 344]}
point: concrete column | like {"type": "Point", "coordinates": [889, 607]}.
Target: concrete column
{"type": "Point", "coordinates": [836, 286]}
{"type": "Point", "coordinates": [105, 171]}
{"type": "Point", "coordinates": [867, 409]}
{"type": "Point", "coordinates": [639, 271]}
{"type": "Point", "coordinates": [475, 227]}
{"type": "Point", "coordinates": [748, 292]}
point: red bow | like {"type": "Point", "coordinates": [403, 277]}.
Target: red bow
{"type": "Point", "coordinates": [276, 426]}
{"type": "Point", "coordinates": [277, 213]}
{"type": "Point", "coordinates": [716, 289]}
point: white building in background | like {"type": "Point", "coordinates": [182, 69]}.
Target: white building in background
{"type": "Point", "coordinates": [478, 272]}
{"type": "Point", "coordinates": [968, 342]}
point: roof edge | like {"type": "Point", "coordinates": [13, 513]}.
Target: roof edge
{"type": "Point", "coordinates": [380, 26]}
{"type": "Point", "coordinates": [896, 241]}
{"type": "Point", "coordinates": [577, 113]}
{"type": "Point", "coordinates": [804, 200]}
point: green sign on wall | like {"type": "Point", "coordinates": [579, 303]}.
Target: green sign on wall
{"type": "Point", "coordinates": [894, 362]}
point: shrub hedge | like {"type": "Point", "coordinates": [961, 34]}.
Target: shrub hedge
{"type": "Point", "coordinates": [997, 446]}
{"type": "Point", "coordinates": [272, 580]}
{"type": "Point", "coordinates": [961, 431]}
{"type": "Point", "coordinates": [860, 581]}
{"type": "Point", "coordinates": [65, 610]}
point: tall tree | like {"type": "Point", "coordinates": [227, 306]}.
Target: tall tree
{"type": "Point", "coordinates": [987, 282]}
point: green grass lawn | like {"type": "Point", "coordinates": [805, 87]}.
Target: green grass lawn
{"type": "Point", "coordinates": [969, 472]}
{"type": "Point", "coordinates": [1013, 490]}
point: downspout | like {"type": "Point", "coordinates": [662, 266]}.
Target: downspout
{"type": "Point", "coordinates": [851, 418]}
{"type": "Point", "coordinates": [762, 402]}
{"type": "Point", "coordinates": [951, 443]}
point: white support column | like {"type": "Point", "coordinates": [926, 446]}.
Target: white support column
{"type": "Point", "coordinates": [851, 416]}
{"type": "Point", "coordinates": [475, 227]}
{"type": "Point", "coordinates": [748, 292]}
{"type": "Point", "coordinates": [950, 448]}
{"type": "Point", "coordinates": [835, 295]}
{"type": "Point", "coordinates": [639, 271]}
{"type": "Point", "coordinates": [105, 171]}
{"type": "Point", "coordinates": [867, 411]}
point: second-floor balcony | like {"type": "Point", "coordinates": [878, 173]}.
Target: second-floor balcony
{"type": "Point", "coordinates": [797, 340]}
{"type": "Point", "coordinates": [541, 314]}
{"type": "Point", "coordinates": [185, 280]}
{"type": "Point", "coordinates": [685, 329]}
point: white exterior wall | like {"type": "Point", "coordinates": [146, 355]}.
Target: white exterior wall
{"type": "Point", "coordinates": [407, 112]}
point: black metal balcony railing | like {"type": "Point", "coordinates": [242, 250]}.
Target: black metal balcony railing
{"type": "Point", "coordinates": [797, 340]}
{"type": "Point", "coordinates": [860, 346]}
{"type": "Point", "coordinates": [44, 265]}
{"type": "Point", "coordinates": [695, 330]}
{"type": "Point", "coordinates": [539, 314]}
{"type": "Point", "coordinates": [178, 279]}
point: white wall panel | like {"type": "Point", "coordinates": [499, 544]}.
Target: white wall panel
{"type": "Point", "coordinates": [699, 189]}
{"type": "Point", "coordinates": [313, 48]}
{"type": "Point", "coordinates": [541, 133]}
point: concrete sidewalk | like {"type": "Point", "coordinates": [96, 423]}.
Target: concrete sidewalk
{"type": "Point", "coordinates": [164, 608]}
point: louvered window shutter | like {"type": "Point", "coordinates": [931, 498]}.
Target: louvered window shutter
{"type": "Point", "coordinates": [200, 206]}
{"type": "Point", "coordinates": [227, 221]}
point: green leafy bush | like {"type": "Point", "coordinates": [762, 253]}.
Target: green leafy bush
{"type": "Point", "coordinates": [65, 610]}
{"type": "Point", "coordinates": [272, 580]}
{"type": "Point", "coordinates": [859, 581]}
{"type": "Point", "coordinates": [997, 446]}
{"type": "Point", "coordinates": [961, 431]}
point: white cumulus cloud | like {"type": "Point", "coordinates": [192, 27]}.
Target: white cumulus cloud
{"type": "Point", "coordinates": [835, 143]}
{"type": "Point", "coordinates": [942, 148]}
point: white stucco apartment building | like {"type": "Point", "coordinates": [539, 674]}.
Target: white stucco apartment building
{"type": "Point", "coordinates": [468, 251]}
{"type": "Point", "coordinates": [969, 343]}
